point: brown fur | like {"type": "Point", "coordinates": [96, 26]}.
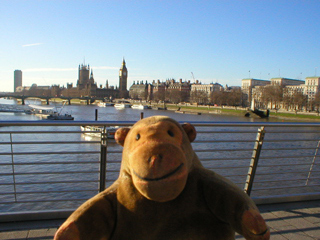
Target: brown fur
{"type": "Point", "coordinates": [164, 193]}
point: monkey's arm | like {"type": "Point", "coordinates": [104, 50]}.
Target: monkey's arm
{"type": "Point", "coordinates": [95, 219]}
{"type": "Point", "coordinates": [231, 205]}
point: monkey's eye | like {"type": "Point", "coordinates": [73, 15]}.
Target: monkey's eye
{"type": "Point", "coordinates": [171, 134]}
{"type": "Point", "coordinates": [137, 136]}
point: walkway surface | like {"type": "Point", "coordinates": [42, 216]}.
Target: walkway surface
{"type": "Point", "coordinates": [296, 221]}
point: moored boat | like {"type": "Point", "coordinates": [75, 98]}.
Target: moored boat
{"type": "Point", "coordinates": [122, 106]}
{"type": "Point", "coordinates": [101, 104]}
{"type": "Point", "coordinates": [96, 131]}
{"type": "Point", "coordinates": [40, 111]}
{"type": "Point", "coordinates": [139, 106]}
{"type": "Point", "coordinates": [104, 104]}
{"type": "Point", "coordinates": [48, 113]}
{"type": "Point", "coordinates": [57, 116]}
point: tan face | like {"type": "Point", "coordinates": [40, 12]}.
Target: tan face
{"type": "Point", "coordinates": [156, 160]}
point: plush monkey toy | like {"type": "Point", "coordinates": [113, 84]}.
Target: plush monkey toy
{"type": "Point", "coordinates": [164, 193]}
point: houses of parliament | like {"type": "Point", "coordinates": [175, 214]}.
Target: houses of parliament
{"type": "Point", "coordinates": [86, 86]}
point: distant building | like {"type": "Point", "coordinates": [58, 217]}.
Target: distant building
{"type": "Point", "coordinates": [201, 93]}
{"type": "Point", "coordinates": [207, 88]}
{"type": "Point", "coordinates": [312, 87]}
{"type": "Point", "coordinates": [85, 78]}
{"type": "Point", "coordinates": [86, 86]}
{"type": "Point", "coordinates": [248, 84]}
{"type": "Point", "coordinates": [290, 90]}
{"type": "Point", "coordinates": [160, 91]}
{"type": "Point", "coordinates": [36, 90]}
{"type": "Point", "coordinates": [139, 90]}
{"type": "Point", "coordinates": [22, 89]}
{"type": "Point", "coordinates": [257, 94]}
{"type": "Point", "coordinates": [286, 81]}
{"type": "Point", "coordinates": [17, 80]}
{"type": "Point", "coordinates": [287, 89]}
{"type": "Point", "coordinates": [178, 91]}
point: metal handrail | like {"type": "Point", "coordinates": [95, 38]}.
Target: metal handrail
{"type": "Point", "coordinates": [74, 170]}
{"type": "Point", "coordinates": [129, 123]}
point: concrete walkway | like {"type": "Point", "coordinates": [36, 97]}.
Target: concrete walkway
{"type": "Point", "coordinates": [294, 221]}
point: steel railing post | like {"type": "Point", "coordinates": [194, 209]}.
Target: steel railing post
{"type": "Point", "coordinates": [254, 160]}
{"type": "Point", "coordinates": [103, 160]}
{"type": "Point", "coordinates": [313, 162]}
{"type": "Point", "coordinates": [13, 170]}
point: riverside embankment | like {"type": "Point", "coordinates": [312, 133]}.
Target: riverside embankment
{"type": "Point", "coordinates": [279, 115]}
{"type": "Point", "coordinates": [225, 110]}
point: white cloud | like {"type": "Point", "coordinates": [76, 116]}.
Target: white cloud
{"type": "Point", "coordinates": [32, 44]}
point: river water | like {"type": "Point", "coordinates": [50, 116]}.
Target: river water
{"type": "Point", "coordinates": [89, 172]}
{"type": "Point", "coordinates": [87, 113]}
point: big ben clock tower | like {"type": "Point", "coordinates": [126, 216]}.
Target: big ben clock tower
{"type": "Point", "coordinates": [123, 77]}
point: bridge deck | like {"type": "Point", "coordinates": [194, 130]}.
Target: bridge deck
{"type": "Point", "coordinates": [294, 221]}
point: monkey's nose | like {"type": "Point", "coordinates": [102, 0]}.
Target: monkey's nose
{"type": "Point", "coordinates": [155, 158]}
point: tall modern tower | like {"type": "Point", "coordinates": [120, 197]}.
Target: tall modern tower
{"type": "Point", "coordinates": [17, 79]}
{"type": "Point", "coordinates": [123, 77]}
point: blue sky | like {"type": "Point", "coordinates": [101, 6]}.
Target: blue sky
{"type": "Point", "coordinates": [219, 41]}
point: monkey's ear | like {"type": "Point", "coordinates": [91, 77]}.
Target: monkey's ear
{"type": "Point", "coordinates": [190, 131]}
{"type": "Point", "coordinates": [121, 135]}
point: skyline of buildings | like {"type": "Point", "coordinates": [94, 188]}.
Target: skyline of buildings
{"type": "Point", "coordinates": [252, 88]}
{"type": "Point", "coordinates": [85, 86]}
{"type": "Point", "coordinates": [255, 90]}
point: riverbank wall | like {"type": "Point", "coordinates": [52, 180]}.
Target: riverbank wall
{"type": "Point", "coordinates": [226, 110]}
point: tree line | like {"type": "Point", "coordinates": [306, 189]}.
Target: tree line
{"type": "Point", "coordinates": [276, 97]}
{"type": "Point", "coordinates": [273, 97]}
{"type": "Point", "coordinates": [232, 97]}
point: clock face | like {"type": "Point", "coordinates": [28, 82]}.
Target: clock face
{"type": "Point", "coordinates": [124, 73]}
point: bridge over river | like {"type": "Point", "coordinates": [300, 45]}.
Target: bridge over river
{"type": "Point", "coordinates": [85, 99]}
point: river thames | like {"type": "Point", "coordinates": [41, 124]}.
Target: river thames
{"type": "Point", "coordinates": [87, 113]}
